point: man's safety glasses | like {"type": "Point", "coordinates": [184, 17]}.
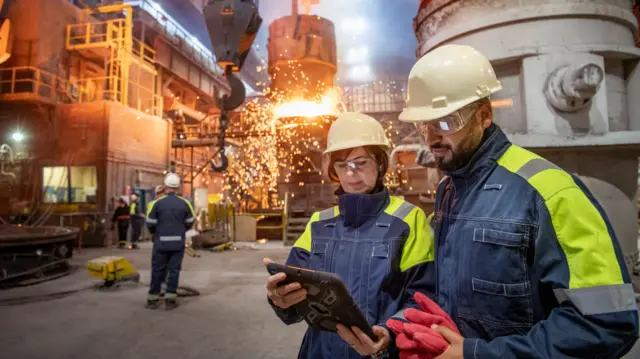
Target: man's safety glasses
{"type": "Point", "coordinates": [357, 164]}
{"type": "Point", "coordinates": [449, 124]}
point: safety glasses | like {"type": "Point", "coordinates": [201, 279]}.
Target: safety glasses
{"type": "Point", "coordinates": [356, 165]}
{"type": "Point", "coordinates": [449, 124]}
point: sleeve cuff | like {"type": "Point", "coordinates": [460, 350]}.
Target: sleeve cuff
{"type": "Point", "coordinates": [391, 351]}
{"type": "Point", "coordinates": [469, 347]}
{"type": "Point", "coordinates": [288, 316]}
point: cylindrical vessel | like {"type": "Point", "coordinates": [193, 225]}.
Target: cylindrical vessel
{"type": "Point", "coordinates": [302, 56]}
{"type": "Point", "coordinates": [570, 84]}
{"type": "Point", "coordinates": [527, 41]}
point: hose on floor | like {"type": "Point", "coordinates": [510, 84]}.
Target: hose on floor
{"type": "Point", "coordinates": [183, 291]}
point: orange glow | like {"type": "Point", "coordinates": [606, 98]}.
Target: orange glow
{"type": "Point", "coordinates": [502, 103]}
{"type": "Point", "coordinates": [327, 106]}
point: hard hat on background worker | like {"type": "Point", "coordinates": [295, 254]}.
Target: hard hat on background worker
{"type": "Point", "coordinates": [352, 130]}
{"type": "Point", "coordinates": [445, 80]}
{"type": "Point", "coordinates": [172, 180]}
{"type": "Point", "coordinates": [159, 189]}
{"type": "Point", "coordinates": [134, 196]}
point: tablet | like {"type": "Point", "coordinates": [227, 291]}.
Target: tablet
{"type": "Point", "coordinates": [328, 300]}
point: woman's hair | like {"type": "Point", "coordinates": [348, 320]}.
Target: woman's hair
{"type": "Point", "coordinates": [376, 152]}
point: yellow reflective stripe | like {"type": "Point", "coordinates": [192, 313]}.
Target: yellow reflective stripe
{"type": "Point", "coordinates": [394, 204]}
{"type": "Point", "coordinates": [150, 206]}
{"type": "Point", "coordinates": [585, 240]}
{"type": "Point", "coordinates": [328, 213]}
{"type": "Point", "coordinates": [430, 217]}
{"type": "Point", "coordinates": [419, 247]}
{"type": "Point", "coordinates": [580, 229]}
{"type": "Point", "coordinates": [132, 209]}
{"type": "Point", "coordinates": [515, 157]}
{"type": "Point", "coordinates": [193, 213]}
{"type": "Point", "coordinates": [153, 203]}
{"type": "Point", "coordinates": [304, 241]}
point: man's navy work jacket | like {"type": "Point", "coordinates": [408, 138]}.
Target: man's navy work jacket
{"type": "Point", "coordinates": [527, 263]}
{"type": "Point", "coordinates": [168, 219]}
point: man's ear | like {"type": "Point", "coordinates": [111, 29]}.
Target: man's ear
{"type": "Point", "coordinates": [485, 114]}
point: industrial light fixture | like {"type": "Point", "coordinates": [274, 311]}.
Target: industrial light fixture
{"type": "Point", "coordinates": [357, 55]}
{"type": "Point", "coordinates": [354, 25]}
{"type": "Point", "coordinates": [360, 72]}
{"type": "Point", "coordinates": [17, 136]}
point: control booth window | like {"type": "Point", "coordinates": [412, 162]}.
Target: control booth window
{"type": "Point", "coordinates": [73, 184]}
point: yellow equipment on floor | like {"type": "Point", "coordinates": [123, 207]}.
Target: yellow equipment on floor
{"type": "Point", "coordinates": [112, 269]}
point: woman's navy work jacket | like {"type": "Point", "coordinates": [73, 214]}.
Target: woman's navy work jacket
{"type": "Point", "coordinates": [380, 246]}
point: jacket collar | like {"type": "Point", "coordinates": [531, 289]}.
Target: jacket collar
{"type": "Point", "coordinates": [494, 144]}
{"type": "Point", "coordinates": [356, 209]}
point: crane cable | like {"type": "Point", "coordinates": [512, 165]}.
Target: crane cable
{"type": "Point", "coordinates": [224, 123]}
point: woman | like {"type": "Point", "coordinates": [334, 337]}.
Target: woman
{"type": "Point", "coordinates": [121, 218]}
{"type": "Point", "coordinates": [379, 245]}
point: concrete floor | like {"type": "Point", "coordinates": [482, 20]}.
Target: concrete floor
{"type": "Point", "coordinates": [230, 319]}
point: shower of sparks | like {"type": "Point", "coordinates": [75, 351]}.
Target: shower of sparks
{"type": "Point", "coordinates": [285, 136]}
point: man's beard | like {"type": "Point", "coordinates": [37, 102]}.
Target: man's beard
{"type": "Point", "coordinates": [460, 158]}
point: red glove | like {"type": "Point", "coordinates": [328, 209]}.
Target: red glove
{"type": "Point", "coordinates": [417, 341]}
{"type": "Point", "coordinates": [431, 314]}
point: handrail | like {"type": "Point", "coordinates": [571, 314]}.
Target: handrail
{"type": "Point", "coordinates": [29, 80]}
{"type": "Point", "coordinates": [105, 34]}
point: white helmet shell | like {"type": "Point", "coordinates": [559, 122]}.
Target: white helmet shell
{"type": "Point", "coordinates": [172, 180]}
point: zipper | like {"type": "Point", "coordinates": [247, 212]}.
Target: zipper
{"type": "Point", "coordinates": [445, 200]}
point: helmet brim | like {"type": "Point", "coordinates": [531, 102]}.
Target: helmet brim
{"type": "Point", "coordinates": [423, 114]}
{"type": "Point", "coordinates": [354, 144]}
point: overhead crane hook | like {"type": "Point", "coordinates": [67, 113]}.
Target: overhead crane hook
{"type": "Point", "coordinates": [233, 26]}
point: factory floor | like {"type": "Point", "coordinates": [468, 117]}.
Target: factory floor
{"type": "Point", "coordinates": [229, 319]}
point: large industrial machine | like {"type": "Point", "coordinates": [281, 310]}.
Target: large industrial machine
{"type": "Point", "coordinates": [302, 55]}
{"type": "Point", "coordinates": [32, 255]}
{"type": "Point", "coordinates": [570, 86]}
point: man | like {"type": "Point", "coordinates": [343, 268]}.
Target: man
{"type": "Point", "coordinates": [159, 191]}
{"type": "Point", "coordinates": [526, 264]}
{"type": "Point", "coordinates": [121, 218]}
{"type": "Point", "coordinates": [169, 217]}
{"type": "Point", "coordinates": [137, 219]}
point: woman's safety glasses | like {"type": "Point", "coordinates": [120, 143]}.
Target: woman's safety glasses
{"type": "Point", "coordinates": [449, 124]}
{"type": "Point", "coordinates": [355, 165]}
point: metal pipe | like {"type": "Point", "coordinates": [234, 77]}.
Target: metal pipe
{"type": "Point", "coordinates": [571, 88]}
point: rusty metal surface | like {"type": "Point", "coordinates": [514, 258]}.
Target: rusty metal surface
{"type": "Point", "coordinates": [30, 255]}
{"type": "Point", "coordinates": [302, 54]}
{"type": "Point", "coordinates": [439, 21]}
{"type": "Point", "coordinates": [17, 236]}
